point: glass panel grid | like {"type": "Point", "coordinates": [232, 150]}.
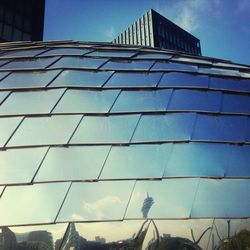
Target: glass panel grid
{"type": "Point", "coordinates": [22, 53]}
{"type": "Point", "coordinates": [65, 51]}
{"type": "Point", "coordinates": [112, 53]}
{"type": "Point", "coordinates": [170, 66]}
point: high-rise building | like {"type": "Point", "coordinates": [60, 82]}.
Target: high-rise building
{"type": "Point", "coordinates": [153, 29]}
{"type": "Point", "coordinates": [21, 20]}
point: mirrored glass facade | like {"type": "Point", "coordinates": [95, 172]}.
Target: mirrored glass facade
{"type": "Point", "coordinates": [130, 152]}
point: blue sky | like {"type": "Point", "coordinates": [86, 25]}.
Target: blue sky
{"type": "Point", "coordinates": [223, 26]}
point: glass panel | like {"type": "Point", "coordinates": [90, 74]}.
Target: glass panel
{"type": "Point", "coordinates": [222, 198]}
{"type": "Point", "coordinates": [3, 95]}
{"type": "Point", "coordinates": [112, 53]}
{"type": "Point", "coordinates": [230, 84]}
{"type": "Point", "coordinates": [136, 161]}
{"type": "Point", "coordinates": [171, 198]}
{"type": "Point", "coordinates": [36, 203]}
{"type": "Point", "coordinates": [81, 101]}
{"type": "Point", "coordinates": [35, 102]}
{"type": "Point", "coordinates": [144, 55]}
{"type": "Point", "coordinates": [7, 127]}
{"type": "Point", "coordinates": [174, 66]}
{"type": "Point", "coordinates": [133, 80]}
{"type": "Point", "coordinates": [20, 165]}
{"type": "Point", "coordinates": [93, 201]}
{"type": "Point", "coordinates": [236, 104]}
{"type": "Point", "coordinates": [105, 129]}
{"type": "Point", "coordinates": [195, 100]}
{"type": "Point", "coordinates": [39, 63]}
{"type": "Point", "coordinates": [3, 74]}
{"type": "Point", "coordinates": [128, 65]}
{"type": "Point", "coordinates": [2, 62]}
{"type": "Point", "coordinates": [79, 62]}
{"type": "Point", "coordinates": [22, 53]}
{"type": "Point", "coordinates": [191, 59]}
{"type": "Point", "coordinates": [65, 51]}
{"type": "Point", "coordinates": [220, 128]}
{"type": "Point", "coordinates": [198, 159]}
{"type": "Point", "coordinates": [142, 101]}
{"type": "Point", "coordinates": [229, 65]}
{"type": "Point", "coordinates": [165, 127]}
{"type": "Point", "coordinates": [73, 163]}
{"type": "Point", "coordinates": [184, 80]}
{"type": "Point", "coordinates": [218, 71]}
{"type": "Point", "coordinates": [33, 79]}
{"type": "Point", "coordinates": [80, 78]}
{"type": "Point", "coordinates": [32, 237]}
{"type": "Point", "coordinates": [45, 130]}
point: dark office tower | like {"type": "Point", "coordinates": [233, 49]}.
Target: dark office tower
{"type": "Point", "coordinates": [21, 20]}
{"type": "Point", "coordinates": [153, 29]}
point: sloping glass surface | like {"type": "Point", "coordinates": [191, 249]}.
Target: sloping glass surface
{"type": "Point", "coordinates": [218, 71]}
{"type": "Point", "coordinates": [30, 79]}
{"type": "Point", "coordinates": [22, 53]}
{"type": "Point", "coordinates": [31, 204]}
{"type": "Point", "coordinates": [144, 55]}
{"type": "Point", "coordinates": [3, 95]}
{"type": "Point", "coordinates": [218, 198]}
{"type": "Point", "coordinates": [136, 161]}
{"type": "Point", "coordinates": [191, 60]}
{"type": "Point", "coordinates": [65, 51]}
{"type": "Point", "coordinates": [79, 62]}
{"type": "Point", "coordinates": [38, 63]}
{"type": "Point", "coordinates": [229, 65]}
{"type": "Point", "coordinates": [128, 65]}
{"type": "Point", "coordinates": [184, 80]}
{"type": "Point", "coordinates": [3, 74]}
{"type": "Point", "coordinates": [35, 102]}
{"type": "Point", "coordinates": [95, 201]}
{"type": "Point", "coordinates": [81, 101]}
{"type": "Point", "coordinates": [239, 104]}
{"type": "Point", "coordinates": [73, 163]}
{"type": "Point", "coordinates": [167, 127]}
{"type": "Point", "coordinates": [2, 62]}
{"type": "Point", "coordinates": [171, 198]}
{"type": "Point", "coordinates": [132, 101]}
{"type": "Point", "coordinates": [45, 130]}
{"type": "Point", "coordinates": [198, 159]}
{"type": "Point", "coordinates": [7, 127]}
{"type": "Point", "coordinates": [220, 128]}
{"type": "Point", "coordinates": [230, 84]}
{"type": "Point", "coordinates": [112, 53]}
{"type": "Point", "coordinates": [248, 130]}
{"type": "Point", "coordinates": [174, 66]}
{"type": "Point", "coordinates": [78, 78]}
{"type": "Point", "coordinates": [134, 80]}
{"type": "Point", "coordinates": [33, 237]}
{"type": "Point", "coordinates": [195, 100]}
{"type": "Point", "coordinates": [105, 129]}
{"type": "Point", "coordinates": [20, 165]}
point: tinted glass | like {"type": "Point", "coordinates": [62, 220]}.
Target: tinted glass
{"type": "Point", "coordinates": [218, 71]}
{"type": "Point", "coordinates": [128, 65]}
{"type": "Point", "coordinates": [174, 66]}
{"type": "Point", "coordinates": [112, 53]}
{"type": "Point", "coordinates": [65, 51]}
{"type": "Point", "coordinates": [144, 55]}
{"type": "Point", "coordinates": [191, 59]}
{"type": "Point", "coordinates": [22, 53]}
{"type": "Point", "coordinates": [3, 95]}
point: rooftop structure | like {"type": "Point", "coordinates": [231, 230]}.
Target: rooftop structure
{"type": "Point", "coordinates": [89, 130]}
{"type": "Point", "coordinates": [153, 29]}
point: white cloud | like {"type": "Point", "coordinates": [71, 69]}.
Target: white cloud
{"type": "Point", "coordinates": [110, 33]}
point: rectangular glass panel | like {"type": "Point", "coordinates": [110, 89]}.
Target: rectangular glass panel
{"type": "Point", "coordinates": [239, 104]}
{"type": "Point", "coordinates": [171, 198]}
{"type": "Point", "coordinates": [144, 55]}
{"type": "Point", "coordinates": [160, 65]}
{"type": "Point", "coordinates": [3, 74]}
{"type": "Point", "coordinates": [128, 65]}
{"type": "Point", "coordinates": [241, 85]}
{"type": "Point", "coordinates": [45, 130]}
{"type": "Point", "coordinates": [36, 203]}
{"type": "Point", "coordinates": [105, 129]}
{"type": "Point", "coordinates": [7, 127]}
{"type": "Point", "coordinates": [112, 53]}
{"type": "Point", "coordinates": [78, 78]}
{"type": "Point", "coordinates": [191, 59]}
{"type": "Point", "coordinates": [81, 101]}
{"type": "Point", "coordinates": [136, 161]}
{"type": "Point", "coordinates": [39, 63]}
{"type": "Point", "coordinates": [222, 198]}
{"type": "Point", "coordinates": [31, 102]}
{"type": "Point", "coordinates": [134, 101]}
{"type": "Point", "coordinates": [28, 79]}
{"type": "Point", "coordinates": [133, 80]}
{"type": "Point", "coordinates": [167, 127]}
{"type": "Point", "coordinates": [176, 79]}
{"type": "Point", "coordinates": [106, 200]}
{"type": "Point", "coordinates": [65, 51]}
{"type": "Point", "coordinates": [2, 62]}
{"type": "Point", "coordinates": [73, 163]}
{"type": "Point", "coordinates": [3, 95]}
{"type": "Point", "coordinates": [220, 128]}
{"type": "Point", "coordinates": [79, 62]}
{"type": "Point", "coordinates": [218, 71]}
{"type": "Point", "coordinates": [22, 53]}
{"type": "Point", "coordinates": [195, 100]}
{"type": "Point", "coordinates": [20, 165]}
{"type": "Point", "coordinates": [198, 159]}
